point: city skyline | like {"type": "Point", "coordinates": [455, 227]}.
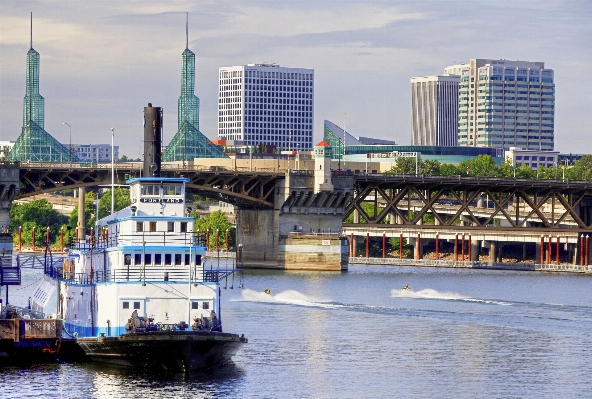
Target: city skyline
{"type": "Point", "coordinates": [101, 63]}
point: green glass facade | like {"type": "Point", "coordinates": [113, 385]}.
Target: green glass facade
{"type": "Point", "coordinates": [189, 143]}
{"type": "Point", "coordinates": [34, 144]}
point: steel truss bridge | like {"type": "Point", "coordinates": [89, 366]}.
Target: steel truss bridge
{"type": "Point", "coordinates": [482, 203]}
{"type": "Point", "coordinates": [245, 189]}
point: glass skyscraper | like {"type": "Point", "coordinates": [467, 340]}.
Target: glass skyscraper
{"type": "Point", "coordinates": [506, 104]}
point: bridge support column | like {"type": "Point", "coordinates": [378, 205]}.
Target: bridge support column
{"type": "Point", "coordinates": [475, 247]}
{"type": "Point", "coordinates": [257, 232]}
{"type": "Point", "coordinates": [456, 247]}
{"type": "Point", "coordinates": [81, 221]}
{"type": "Point", "coordinates": [417, 252]}
{"type": "Point", "coordinates": [492, 252]}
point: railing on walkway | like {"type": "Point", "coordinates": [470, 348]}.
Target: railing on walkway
{"type": "Point", "coordinates": [19, 329]}
{"type": "Point", "coordinates": [471, 264]}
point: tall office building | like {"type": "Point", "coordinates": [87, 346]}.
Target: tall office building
{"type": "Point", "coordinates": [266, 104]}
{"type": "Point", "coordinates": [506, 104]}
{"type": "Point", "coordinates": [434, 110]}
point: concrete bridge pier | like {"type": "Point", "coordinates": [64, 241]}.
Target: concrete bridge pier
{"type": "Point", "coordinates": [475, 247]}
{"type": "Point", "coordinates": [257, 233]}
{"type": "Point", "coordinates": [493, 251]}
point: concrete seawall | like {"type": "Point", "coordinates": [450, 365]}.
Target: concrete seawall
{"type": "Point", "coordinates": [472, 265]}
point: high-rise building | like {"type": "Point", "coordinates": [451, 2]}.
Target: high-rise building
{"type": "Point", "coordinates": [266, 104]}
{"type": "Point", "coordinates": [34, 144]}
{"type": "Point", "coordinates": [434, 110]}
{"type": "Point", "coordinates": [189, 142]}
{"type": "Point", "coordinates": [506, 104]}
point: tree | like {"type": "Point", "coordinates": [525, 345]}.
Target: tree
{"type": "Point", "coordinates": [431, 167]}
{"type": "Point", "coordinates": [483, 166]}
{"type": "Point", "coordinates": [405, 166]}
{"type": "Point", "coordinates": [37, 214]}
{"type": "Point", "coordinates": [367, 207]}
{"type": "Point", "coordinates": [122, 200]}
{"type": "Point", "coordinates": [449, 169]}
{"type": "Point", "coordinates": [123, 158]}
{"type": "Point", "coordinates": [216, 220]}
{"type": "Point", "coordinates": [582, 169]}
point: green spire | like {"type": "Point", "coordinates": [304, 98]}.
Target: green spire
{"type": "Point", "coordinates": [189, 143]}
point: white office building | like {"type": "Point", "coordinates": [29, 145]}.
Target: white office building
{"type": "Point", "coordinates": [533, 158]}
{"type": "Point", "coordinates": [434, 110]}
{"type": "Point", "coordinates": [95, 152]}
{"type": "Point", "coordinates": [266, 104]}
{"type": "Point", "coordinates": [506, 104]}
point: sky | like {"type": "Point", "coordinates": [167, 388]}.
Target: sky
{"type": "Point", "coordinates": [102, 62]}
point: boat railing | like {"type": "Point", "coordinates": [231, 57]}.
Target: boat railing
{"type": "Point", "coordinates": [18, 329]}
{"type": "Point", "coordinates": [163, 238]}
{"type": "Point", "coordinates": [194, 274]}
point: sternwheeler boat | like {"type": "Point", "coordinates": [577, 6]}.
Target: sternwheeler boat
{"type": "Point", "coordinates": [139, 293]}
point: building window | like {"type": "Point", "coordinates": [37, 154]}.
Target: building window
{"type": "Point", "coordinates": [148, 259]}
{"type": "Point", "coordinates": [183, 227]}
{"type": "Point", "coordinates": [136, 305]}
{"type": "Point", "coordinates": [125, 305]}
{"type": "Point", "coordinates": [167, 259]}
{"type": "Point", "coordinates": [177, 259]}
{"type": "Point", "coordinates": [187, 259]}
{"type": "Point", "coordinates": [157, 259]}
{"type": "Point", "coordinates": [153, 227]}
{"type": "Point", "coordinates": [205, 305]}
{"type": "Point", "coordinates": [194, 305]}
{"type": "Point", "coordinates": [170, 227]}
{"type": "Point", "coordinates": [139, 227]}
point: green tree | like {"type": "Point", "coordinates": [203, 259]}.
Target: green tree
{"type": "Point", "coordinates": [405, 166]}
{"type": "Point", "coordinates": [122, 200]}
{"type": "Point", "coordinates": [449, 169]}
{"type": "Point", "coordinates": [483, 166]}
{"type": "Point", "coordinates": [582, 169]}
{"type": "Point", "coordinates": [430, 167]}
{"type": "Point", "coordinates": [37, 214]}
{"type": "Point", "coordinates": [216, 220]}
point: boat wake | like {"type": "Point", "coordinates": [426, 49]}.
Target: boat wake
{"type": "Point", "coordinates": [288, 297]}
{"type": "Point", "coordinates": [429, 293]}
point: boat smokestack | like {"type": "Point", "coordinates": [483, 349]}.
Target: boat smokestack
{"type": "Point", "coordinates": [152, 140]}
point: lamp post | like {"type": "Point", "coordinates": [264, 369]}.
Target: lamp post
{"type": "Point", "coordinates": [112, 172]}
{"type": "Point", "coordinates": [70, 148]}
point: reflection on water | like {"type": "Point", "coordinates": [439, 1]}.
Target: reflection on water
{"type": "Point", "coordinates": [456, 333]}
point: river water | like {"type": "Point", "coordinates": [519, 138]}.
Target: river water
{"type": "Point", "coordinates": [457, 333]}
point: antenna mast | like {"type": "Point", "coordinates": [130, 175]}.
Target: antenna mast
{"type": "Point", "coordinates": [344, 119]}
{"type": "Point", "coordinates": [31, 29]}
{"type": "Point", "coordinates": [186, 30]}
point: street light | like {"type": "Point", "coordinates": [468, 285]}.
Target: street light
{"type": "Point", "coordinates": [69, 149]}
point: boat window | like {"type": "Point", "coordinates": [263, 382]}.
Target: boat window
{"type": "Point", "coordinates": [177, 259]}
{"type": "Point", "coordinates": [205, 305]}
{"type": "Point", "coordinates": [148, 259]}
{"type": "Point", "coordinates": [170, 226]}
{"type": "Point", "coordinates": [171, 189]}
{"type": "Point", "coordinates": [150, 189]}
{"type": "Point", "coordinates": [157, 259]}
{"type": "Point", "coordinates": [183, 227]}
{"type": "Point", "coordinates": [139, 227]}
{"type": "Point", "coordinates": [167, 259]}
{"type": "Point", "coordinates": [187, 259]}
{"type": "Point", "coordinates": [127, 259]}
{"type": "Point", "coordinates": [137, 259]}
{"type": "Point", "coordinates": [136, 305]}
{"type": "Point", "coordinates": [126, 305]}
{"type": "Point", "coordinates": [198, 259]}
{"type": "Point", "coordinates": [153, 227]}
{"type": "Point", "coordinates": [194, 305]}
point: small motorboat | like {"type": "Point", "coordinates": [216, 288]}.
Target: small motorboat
{"type": "Point", "coordinates": [406, 288]}
{"type": "Point", "coordinates": [267, 291]}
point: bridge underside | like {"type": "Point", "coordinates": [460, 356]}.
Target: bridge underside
{"type": "Point", "coordinates": [482, 203]}
{"type": "Point", "coordinates": [243, 189]}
